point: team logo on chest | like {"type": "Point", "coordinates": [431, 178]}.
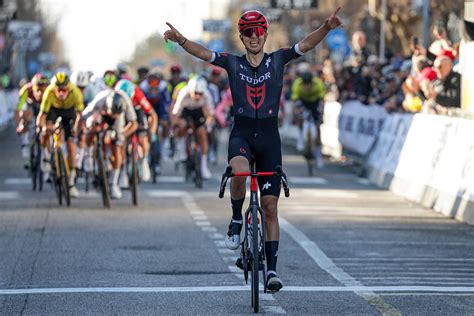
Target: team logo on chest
{"type": "Point", "coordinates": [256, 95]}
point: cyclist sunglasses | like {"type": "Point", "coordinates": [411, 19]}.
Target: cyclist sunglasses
{"type": "Point", "coordinates": [153, 82]}
{"type": "Point", "coordinates": [259, 31]}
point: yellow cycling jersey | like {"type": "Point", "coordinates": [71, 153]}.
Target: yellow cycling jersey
{"type": "Point", "coordinates": [315, 93]}
{"type": "Point", "coordinates": [73, 100]}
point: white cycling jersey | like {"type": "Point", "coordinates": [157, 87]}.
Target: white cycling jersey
{"type": "Point", "coordinates": [184, 101]}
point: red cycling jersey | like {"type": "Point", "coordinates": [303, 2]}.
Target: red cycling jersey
{"type": "Point", "coordinates": [140, 101]}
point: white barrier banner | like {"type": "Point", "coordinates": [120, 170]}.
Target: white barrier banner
{"type": "Point", "coordinates": [359, 126]}
{"type": "Point", "coordinates": [330, 129]}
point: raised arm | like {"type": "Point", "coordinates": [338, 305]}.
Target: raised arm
{"type": "Point", "coordinates": [313, 38]}
{"type": "Point", "coordinates": [191, 47]}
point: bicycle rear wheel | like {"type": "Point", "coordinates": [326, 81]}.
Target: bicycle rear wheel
{"type": "Point", "coordinates": [103, 181]}
{"type": "Point", "coordinates": [255, 260]}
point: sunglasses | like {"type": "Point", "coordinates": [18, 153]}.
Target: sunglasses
{"type": "Point", "coordinates": [198, 93]}
{"type": "Point", "coordinates": [248, 32]}
{"type": "Point", "coordinates": [62, 90]}
{"type": "Point", "coordinates": [153, 83]}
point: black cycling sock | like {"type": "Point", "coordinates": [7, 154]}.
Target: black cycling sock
{"type": "Point", "coordinates": [237, 208]}
{"type": "Point", "coordinates": [271, 252]}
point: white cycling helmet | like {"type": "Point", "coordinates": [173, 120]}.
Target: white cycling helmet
{"type": "Point", "coordinates": [197, 85]}
{"type": "Point", "coordinates": [80, 78]}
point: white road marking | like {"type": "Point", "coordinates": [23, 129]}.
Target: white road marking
{"type": "Point", "coordinates": [323, 261]}
{"type": "Point", "coordinates": [265, 296]}
{"type": "Point", "coordinates": [220, 243]}
{"type": "Point", "coordinates": [170, 179]}
{"type": "Point", "coordinates": [363, 181]}
{"type": "Point", "coordinates": [395, 289]}
{"type": "Point", "coordinates": [203, 223]}
{"type": "Point", "coordinates": [216, 236]}
{"type": "Point", "coordinates": [196, 213]}
{"type": "Point", "coordinates": [200, 217]}
{"type": "Point", "coordinates": [274, 309]}
{"type": "Point", "coordinates": [13, 181]}
{"type": "Point", "coordinates": [306, 180]}
{"type": "Point", "coordinates": [324, 193]}
{"type": "Point", "coordinates": [165, 193]}
{"type": "Point", "coordinates": [431, 259]}
{"type": "Point", "coordinates": [9, 195]}
{"type": "Point", "coordinates": [225, 251]}
{"type": "Point", "coordinates": [208, 229]}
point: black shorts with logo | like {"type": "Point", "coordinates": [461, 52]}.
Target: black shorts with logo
{"type": "Point", "coordinates": [261, 139]}
{"type": "Point", "coordinates": [68, 118]}
{"type": "Point", "coordinates": [196, 116]}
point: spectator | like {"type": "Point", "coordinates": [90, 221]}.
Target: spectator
{"type": "Point", "coordinates": [359, 52]}
{"type": "Point", "coordinates": [446, 90]}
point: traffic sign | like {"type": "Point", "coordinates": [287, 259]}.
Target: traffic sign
{"type": "Point", "coordinates": [293, 4]}
{"type": "Point", "coordinates": [218, 26]}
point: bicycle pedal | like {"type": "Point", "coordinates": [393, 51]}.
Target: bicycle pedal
{"type": "Point", "coordinates": [240, 265]}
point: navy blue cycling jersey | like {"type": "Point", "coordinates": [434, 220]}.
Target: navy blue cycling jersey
{"type": "Point", "coordinates": [159, 98]}
{"type": "Point", "coordinates": [256, 91]}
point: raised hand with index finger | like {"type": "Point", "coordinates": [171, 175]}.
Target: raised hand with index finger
{"type": "Point", "coordinates": [173, 35]}
{"type": "Point", "coordinates": [333, 21]}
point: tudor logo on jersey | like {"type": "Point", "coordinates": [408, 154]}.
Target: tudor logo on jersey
{"type": "Point", "coordinates": [256, 95]}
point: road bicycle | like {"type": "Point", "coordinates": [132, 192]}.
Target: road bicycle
{"type": "Point", "coordinates": [253, 244]}
{"type": "Point", "coordinates": [100, 175]}
{"type": "Point", "coordinates": [60, 168]}
{"type": "Point", "coordinates": [192, 164]}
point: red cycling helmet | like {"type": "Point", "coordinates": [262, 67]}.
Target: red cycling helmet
{"type": "Point", "coordinates": [252, 18]}
{"type": "Point", "coordinates": [175, 68]}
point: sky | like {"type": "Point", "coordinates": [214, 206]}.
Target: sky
{"type": "Point", "coordinates": [100, 33]}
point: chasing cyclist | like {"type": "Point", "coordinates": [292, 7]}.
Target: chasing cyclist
{"type": "Point", "coordinates": [61, 99]}
{"type": "Point", "coordinates": [308, 93]}
{"type": "Point", "coordinates": [112, 111]}
{"type": "Point", "coordinates": [31, 95]}
{"type": "Point", "coordinates": [256, 80]}
{"type": "Point", "coordinates": [194, 101]}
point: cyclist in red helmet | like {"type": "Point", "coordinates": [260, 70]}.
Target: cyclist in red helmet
{"type": "Point", "coordinates": [256, 80]}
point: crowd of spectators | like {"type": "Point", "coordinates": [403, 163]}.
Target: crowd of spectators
{"type": "Point", "coordinates": [427, 81]}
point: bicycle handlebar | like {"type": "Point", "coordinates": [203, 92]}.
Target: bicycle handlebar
{"type": "Point", "coordinates": [229, 174]}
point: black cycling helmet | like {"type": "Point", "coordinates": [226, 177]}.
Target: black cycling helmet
{"type": "Point", "coordinates": [143, 70]}
{"type": "Point", "coordinates": [115, 103]}
{"type": "Point", "coordinates": [61, 80]}
{"type": "Point", "coordinates": [307, 77]}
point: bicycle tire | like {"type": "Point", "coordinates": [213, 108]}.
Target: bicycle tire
{"type": "Point", "coordinates": [255, 261]}
{"type": "Point", "coordinates": [56, 177]}
{"type": "Point", "coordinates": [64, 178]}
{"type": "Point", "coordinates": [134, 177]}
{"type": "Point", "coordinates": [263, 258]}
{"type": "Point", "coordinates": [33, 165]}
{"type": "Point", "coordinates": [197, 169]}
{"type": "Point", "coordinates": [103, 181]}
{"type": "Point", "coordinates": [39, 156]}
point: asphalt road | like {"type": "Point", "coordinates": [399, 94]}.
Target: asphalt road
{"type": "Point", "coordinates": [346, 248]}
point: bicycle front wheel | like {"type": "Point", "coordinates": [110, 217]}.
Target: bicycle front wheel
{"type": "Point", "coordinates": [255, 259]}
{"type": "Point", "coordinates": [63, 178]}
{"type": "Point", "coordinates": [103, 181]}
{"type": "Point", "coordinates": [134, 177]}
